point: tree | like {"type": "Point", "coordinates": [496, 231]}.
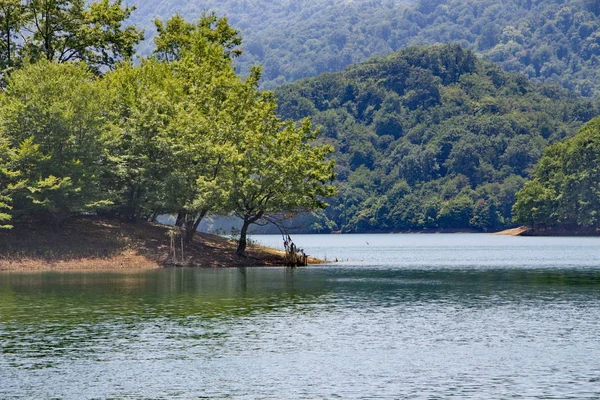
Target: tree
{"type": "Point", "coordinates": [212, 110]}
{"type": "Point", "coordinates": [66, 30]}
{"type": "Point", "coordinates": [565, 189]}
{"type": "Point", "coordinates": [207, 130]}
{"type": "Point", "coordinates": [53, 117]}
{"type": "Point", "coordinates": [176, 36]}
{"type": "Point", "coordinates": [11, 20]}
{"type": "Point", "coordinates": [147, 99]}
{"type": "Point", "coordinates": [277, 169]}
{"type": "Point", "coordinates": [535, 205]}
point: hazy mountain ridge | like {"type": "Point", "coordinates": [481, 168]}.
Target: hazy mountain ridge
{"type": "Point", "coordinates": [555, 40]}
{"type": "Point", "coordinates": [292, 40]}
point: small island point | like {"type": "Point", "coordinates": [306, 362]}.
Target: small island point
{"type": "Point", "coordinates": [95, 243]}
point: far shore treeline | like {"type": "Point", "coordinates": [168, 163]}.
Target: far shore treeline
{"type": "Point", "coordinates": [84, 130]}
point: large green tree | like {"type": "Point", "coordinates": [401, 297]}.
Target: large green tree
{"type": "Point", "coordinates": [53, 116]}
{"type": "Point", "coordinates": [277, 169]}
{"type": "Point", "coordinates": [202, 135]}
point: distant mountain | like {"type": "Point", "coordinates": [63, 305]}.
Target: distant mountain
{"type": "Point", "coordinates": [431, 137]}
{"type": "Point", "coordinates": [549, 40]}
{"type": "Point", "coordinates": [292, 39]}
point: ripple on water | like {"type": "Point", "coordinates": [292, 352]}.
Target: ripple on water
{"type": "Point", "coordinates": [345, 332]}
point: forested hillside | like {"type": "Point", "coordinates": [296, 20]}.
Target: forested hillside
{"type": "Point", "coordinates": [431, 137]}
{"type": "Point", "coordinates": [291, 39]}
{"type": "Point", "coordinates": [550, 40]}
{"type": "Point", "coordinates": [565, 189]}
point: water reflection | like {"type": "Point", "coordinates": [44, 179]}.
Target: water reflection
{"type": "Point", "coordinates": [350, 331]}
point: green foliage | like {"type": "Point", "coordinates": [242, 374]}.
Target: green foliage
{"type": "Point", "coordinates": [177, 36]}
{"type": "Point", "coordinates": [180, 133]}
{"type": "Point", "coordinates": [65, 30]}
{"type": "Point", "coordinates": [277, 169]}
{"type": "Point", "coordinates": [431, 137]}
{"type": "Point", "coordinates": [175, 116]}
{"type": "Point", "coordinates": [552, 41]}
{"type": "Point", "coordinates": [145, 102]}
{"type": "Point", "coordinates": [7, 176]}
{"type": "Point", "coordinates": [555, 41]}
{"type": "Point", "coordinates": [52, 116]}
{"type": "Point", "coordinates": [293, 39]}
{"type": "Point", "coordinates": [535, 205]}
{"type": "Point", "coordinates": [565, 189]}
{"type": "Point", "coordinates": [11, 20]}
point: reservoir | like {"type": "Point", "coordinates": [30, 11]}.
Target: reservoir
{"type": "Point", "coordinates": [411, 316]}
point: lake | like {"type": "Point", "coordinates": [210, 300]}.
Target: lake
{"type": "Point", "coordinates": [398, 316]}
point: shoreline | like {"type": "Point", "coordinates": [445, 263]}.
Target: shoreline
{"type": "Point", "coordinates": [520, 231]}
{"type": "Point", "coordinates": [549, 232]}
{"type": "Point", "coordinates": [102, 244]}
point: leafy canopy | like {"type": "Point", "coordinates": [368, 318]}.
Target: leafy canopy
{"type": "Point", "coordinates": [431, 137]}
{"type": "Point", "coordinates": [66, 30]}
{"type": "Point", "coordinates": [565, 187]}
{"type": "Point", "coordinates": [52, 116]}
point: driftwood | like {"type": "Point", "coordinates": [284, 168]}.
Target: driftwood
{"type": "Point", "coordinates": [294, 257]}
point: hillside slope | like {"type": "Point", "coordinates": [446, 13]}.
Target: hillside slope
{"type": "Point", "coordinates": [291, 39]}
{"type": "Point", "coordinates": [431, 137]}
{"type": "Point", "coordinates": [550, 40]}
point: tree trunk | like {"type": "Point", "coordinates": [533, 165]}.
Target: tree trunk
{"type": "Point", "coordinates": [241, 250]}
{"type": "Point", "coordinates": [47, 39]}
{"type": "Point", "coordinates": [180, 218]}
{"type": "Point", "coordinates": [192, 228]}
{"type": "Point", "coordinates": [129, 210]}
{"type": "Point", "coordinates": [7, 19]}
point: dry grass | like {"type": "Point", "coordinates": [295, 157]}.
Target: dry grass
{"type": "Point", "coordinates": [99, 243]}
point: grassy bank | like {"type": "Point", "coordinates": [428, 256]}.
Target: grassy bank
{"type": "Point", "coordinates": [98, 243]}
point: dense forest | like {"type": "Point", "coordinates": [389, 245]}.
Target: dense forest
{"type": "Point", "coordinates": [431, 138]}
{"type": "Point", "coordinates": [551, 40]}
{"type": "Point", "coordinates": [565, 188]}
{"type": "Point", "coordinates": [291, 39]}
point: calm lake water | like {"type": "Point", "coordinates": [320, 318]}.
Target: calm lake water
{"type": "Point", "coordinates": [402, 316]}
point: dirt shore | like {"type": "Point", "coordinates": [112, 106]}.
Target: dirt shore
{"type": "Point", "coordinates": [526, 231]}
{"type": "Point", "coordinates": [91, 243]}
{"type": "Point", "coordinates": [513, 232]}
